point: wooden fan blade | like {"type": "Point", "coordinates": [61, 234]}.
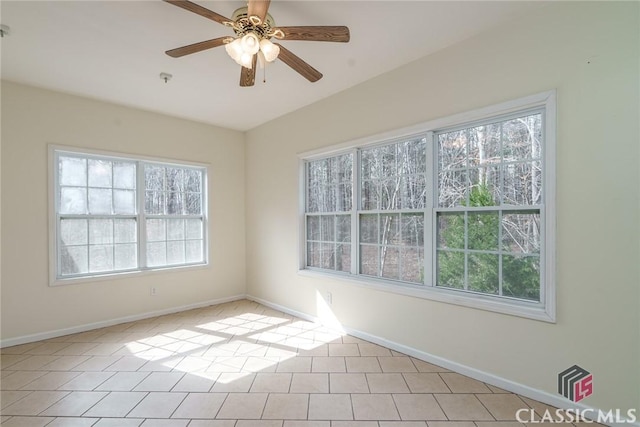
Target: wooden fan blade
{"type": "Point", "coordinates": [258, 8]}
{"type": "Point", "coordinates": [202, 11]}
{"type": "Point", "coordinates": [295, 62]}
{"type": "Point", "coordinates": [316, 33]}
{"type": "Point", "coordinates": [196, 47]}
{"type": "Point", "coordinates": [248, 75]}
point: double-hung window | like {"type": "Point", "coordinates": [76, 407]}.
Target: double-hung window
{"type": "Point", "coordinates": [115, 214]}
{"type": "Point", "coordinates": [458, 210]}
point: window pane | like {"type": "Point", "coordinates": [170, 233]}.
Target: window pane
{"type": "Point", "coordinates": [99, 201]}
{"type": "Point", "coordinates": [412, 157]}
{"type": "Point", "coordinates": [74, 260]}
{"type": "Point", "coordinates": [327, 256]}
{"type": "Point", "coordinates": [344, 167]}
{"type": "Point", "coordinates": [125, 231]}
{"type": "Point", "coordinates": [156, 254]}
{"type": "Point", "coordinates": [99, 173]}
{"type": "Point", "coordinates": [329, 184]}
{"type": "Point", "coordinates": [175, 252]}
{"type": "Point", "coordinates": [124, 202]}
{"type": "Point", "coordinates": [73, 200]}
{"type": "Point", "coordinates": [325, 198]}
{"type": "Point", "coordinates": [175, 203]}
{"type": "Point", "coordinates": [452, 150]}
{"type": "Point", "coordinates": [124, 175]}
{"type": "Point", "coordinates": [313, 228]}
{"type": "Point", "coordinates": [483, 230]}
{"type": "Point", "coordinates": [193, 180]}
{"type": "Point", "coordinates": [369, 260]}
{"type": "Point", "coordinates": [73, 232]}
{"type": "Point", "coordinates": [344, 228]}
{"type": "Point", "coordinates": [389, 262]}
{"type": "Point", "coordinates": [521, 277]}
{"type": "Point", "coordinates": [484, 145]}
{"type": "Point", "coordinates": [126, 256]}
{"type": "Point", "coordinates": [371, 195]}
{"type": "Point", "coordinates": [521, 138]}
{"type": "Point", "coordinates": [450, 269]}
{"type": "Point", "coordinates": [412, 229]}
{"type": "Point", "coordinates": [343, 258]}
{"type": "Point", "coordinates": [523, 183]}
{"type": "Point", "coordinates": [156, 230]}
{"type": "Point", "coordinates": [452, 188]}
{"type": "Point", "coordinates": [485, 187]}
{"type": "Point", "coordinates": [390, 229]}
{"type": "Point", "coordinates": [343, 199]}
{"type": "Point", "coordinates": [369, 228]}
{"type": "Point", "coordinates": [483, 273]}
{"type": "Point", "coordinates": [175, 229]}
{"type": "Point", "coordinates": [194, 228]}
{"type": "Point", "coordinates": [100, 231]}
{"type": "Point", "coordinates": [73, 171]}
{"type": "Point", "coordinates": [194, 251]}
{"type": "Point", "coordinates": [194, 204]}
{"type": "Point", "coordinates": [521, 232]}
{"type": "Point", "coordinates": [331, 170]}
{"type": "Point", "coordinates": [451, 230]}
{"type": "Point", "coordinates": [413, 192]}
{"type": "Point", "coordinates": [390, 192]}
{"type": "Point", "coordinates": [100, 258]}
{"type": "Point", "coordinates": [313, 254]}
{"type": "Point", "coordinates": [412, 261]}
{"type": "Point", "coordinates": [327, 228]}
{"type": "Point", "coordinates": [154, 202]}
{"type": "Point", "coordinates": [154, 178]}
{"type": "Point", "coordinates": [175, 180]}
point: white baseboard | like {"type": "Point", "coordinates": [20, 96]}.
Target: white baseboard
{"type": "Point", "coordinates": [102, 324]}
{"type": "Point", "coordinates": [503, 383]}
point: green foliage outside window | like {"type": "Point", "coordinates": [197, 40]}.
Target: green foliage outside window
{"type": "Point", "coordinates": [520, 272]}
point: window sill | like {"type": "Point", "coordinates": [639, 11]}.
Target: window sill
{"type": "Point", "coordinates": [125, 275]}
{"type": "Point", "coordinates": [534, 311]}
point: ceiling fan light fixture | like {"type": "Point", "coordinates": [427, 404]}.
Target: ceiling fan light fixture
{"type": "Point", "coordinates": [234, 49]}
{"type": "Point", "coordinates": [250, 43]}
{"type": "Point", "coordinates": [269, 50]}
{"type": "Point", "coordinates": [251, 46]}
{"type": "Point", "coordinates": [246, 60]}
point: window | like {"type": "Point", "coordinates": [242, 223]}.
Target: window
{"type": "Point", "coordinates": [116, 214]}
{"type": "Point", "coordinates": [329, 204]}
{"type": "Point", "coordinates": [458, 210]}
{"type": "Point", "coordinates": [489, 202]}
{"type": "Point", "coordinates": [391, 218]}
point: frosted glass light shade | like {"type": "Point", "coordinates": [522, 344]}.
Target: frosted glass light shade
{"type": "Point", "coordinates": [269, 50]}
{"type": "Point", "coordinates": [250, 43]}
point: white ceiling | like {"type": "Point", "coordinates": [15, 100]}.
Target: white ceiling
{"type": "Point", "coordinates": [114, 51]}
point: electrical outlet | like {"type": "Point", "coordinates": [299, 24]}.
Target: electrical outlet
{"type": "Point", "coordinates": [328, 298]}
{"type": "Point", "coordinates": [153, 291]}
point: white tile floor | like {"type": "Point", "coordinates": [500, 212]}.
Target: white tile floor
{"type": "Point", "coordinates": [234, 365]}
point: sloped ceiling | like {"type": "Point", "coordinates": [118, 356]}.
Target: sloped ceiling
{"type": "Point", "coordinates": [114, 51]}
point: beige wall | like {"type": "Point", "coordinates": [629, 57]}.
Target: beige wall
{"type": "Point", "coordinates": [33, 118]}
{"type": "Point", "coordinates": [590, 53]}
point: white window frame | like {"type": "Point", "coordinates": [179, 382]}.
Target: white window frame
{"type": "Point", "coordinates": [545, 310]}
{"type": "Point", "coordinates": [56, 150]}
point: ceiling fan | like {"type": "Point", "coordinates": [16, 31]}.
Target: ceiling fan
{"type": "Point", "coordinates": [254, 28]}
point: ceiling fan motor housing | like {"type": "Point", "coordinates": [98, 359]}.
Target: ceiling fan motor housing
{"type": "Point", "coordinates": [242, 24]}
